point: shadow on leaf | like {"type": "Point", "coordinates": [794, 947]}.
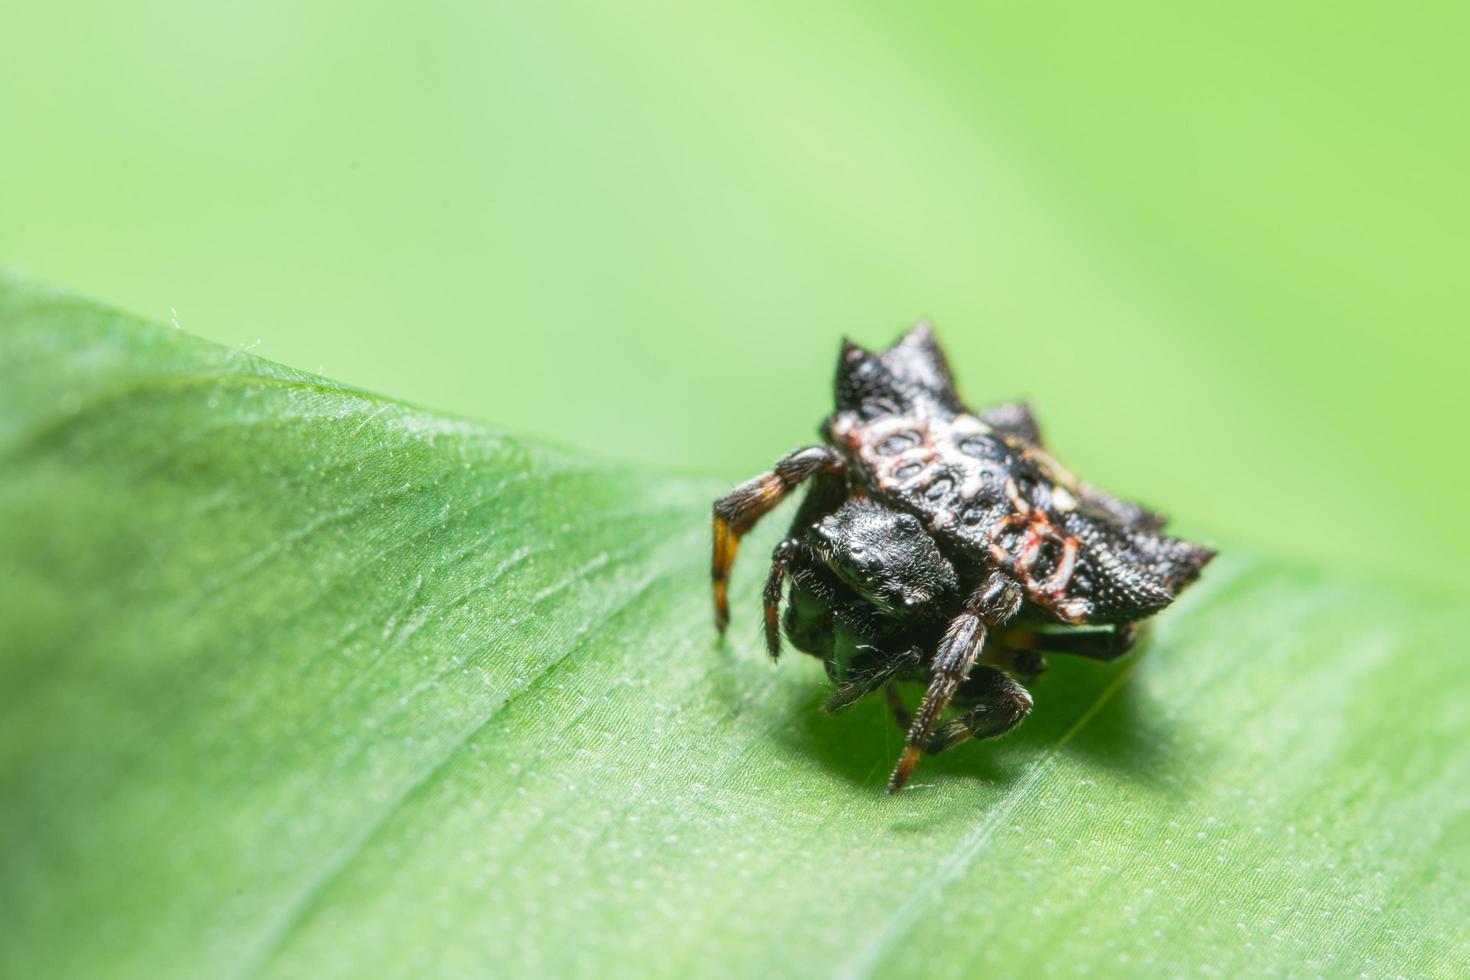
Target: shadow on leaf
{"type": "Point", "coordinates": [1124, 733]}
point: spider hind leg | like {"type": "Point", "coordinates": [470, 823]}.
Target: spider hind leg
{"type": "Point", "coordinates": [995, 601]}
{"type": "Point", "coordinates": [1105, 644]}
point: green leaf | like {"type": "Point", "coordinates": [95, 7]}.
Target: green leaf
{"type": "Point", "coordinates": [298, 681]}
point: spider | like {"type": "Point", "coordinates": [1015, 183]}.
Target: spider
{"type": "Point", "coordinates": [940, 545]}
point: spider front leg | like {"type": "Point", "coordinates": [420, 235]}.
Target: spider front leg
{"type": "Point", "coordinates": [782, 558]}
{"type": "Point", "coordinates": [996, 704]}
{"type": "Point", "coordinates": [861, 683]}
{"type": "Point", "coordinates": [994, 602]}
{"type": "Point", "coordinates": [737, 511]}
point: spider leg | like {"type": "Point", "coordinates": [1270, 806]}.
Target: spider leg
{"type": "Point", "coordinates": [995, 601]}
{"type": "Point", "coordinates": [997, 704]}
{"type": "Point", "coordinates": [781, 558]}
{"type": "Point", "coordinates": [1019, 660]}
{"type": "Point", "coordinates": [854, 689]}
{"type": "Point", "coordinates": [903, 719]}
{"type": "Point", "coordinates": [1123, 511]}
{"type": "Point", "coordinates": [895, 707]}
{"type": "Point", "coordinates": [737, 511]}
{"type": "Point", "coordinates": [1107, 644]}
{"type": "Point", "coordinates": [1013, 419]}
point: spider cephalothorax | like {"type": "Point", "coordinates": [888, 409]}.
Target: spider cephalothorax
{"type": "Point", "coordinates": [885, 556]}
{"type": "Point", "coordinates": [939, 543]}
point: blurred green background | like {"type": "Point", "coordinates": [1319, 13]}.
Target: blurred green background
{"type": "Point", "coordinates": [1222, 247]}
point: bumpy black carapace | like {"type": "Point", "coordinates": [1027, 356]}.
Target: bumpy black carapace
{"type": "Point", "coordinates": [941, 545]}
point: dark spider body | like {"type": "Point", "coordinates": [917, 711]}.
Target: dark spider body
{"type": "Point", "coordinates": [942, 545]}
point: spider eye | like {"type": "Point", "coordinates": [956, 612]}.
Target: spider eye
{"type": "Point", "coordinates": [908, 522]}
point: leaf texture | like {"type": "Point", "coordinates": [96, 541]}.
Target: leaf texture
{"type": "Point", "coordinates": [296, 681]}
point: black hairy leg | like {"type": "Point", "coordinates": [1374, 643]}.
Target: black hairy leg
{"type": "Point", "coordinates": [993, 703]}
{"type": "Point", "coordinates": [739, 510]}
{"type": "Point", "coordinates": [826, 495]}
{"type": "Point", "coordinates": [785, 555]}
{"type": "Point", "coordinates": [1022, 662]}
{"type": "Point", "coordinates": [876, 669]}
{"type": "Point", "coordinates": [994, 602]}
{"type": "Point", "coordinates": [1107, 644]}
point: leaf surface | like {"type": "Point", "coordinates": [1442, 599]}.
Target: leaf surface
{"type": "Point", "coordinates": [298, 681]}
